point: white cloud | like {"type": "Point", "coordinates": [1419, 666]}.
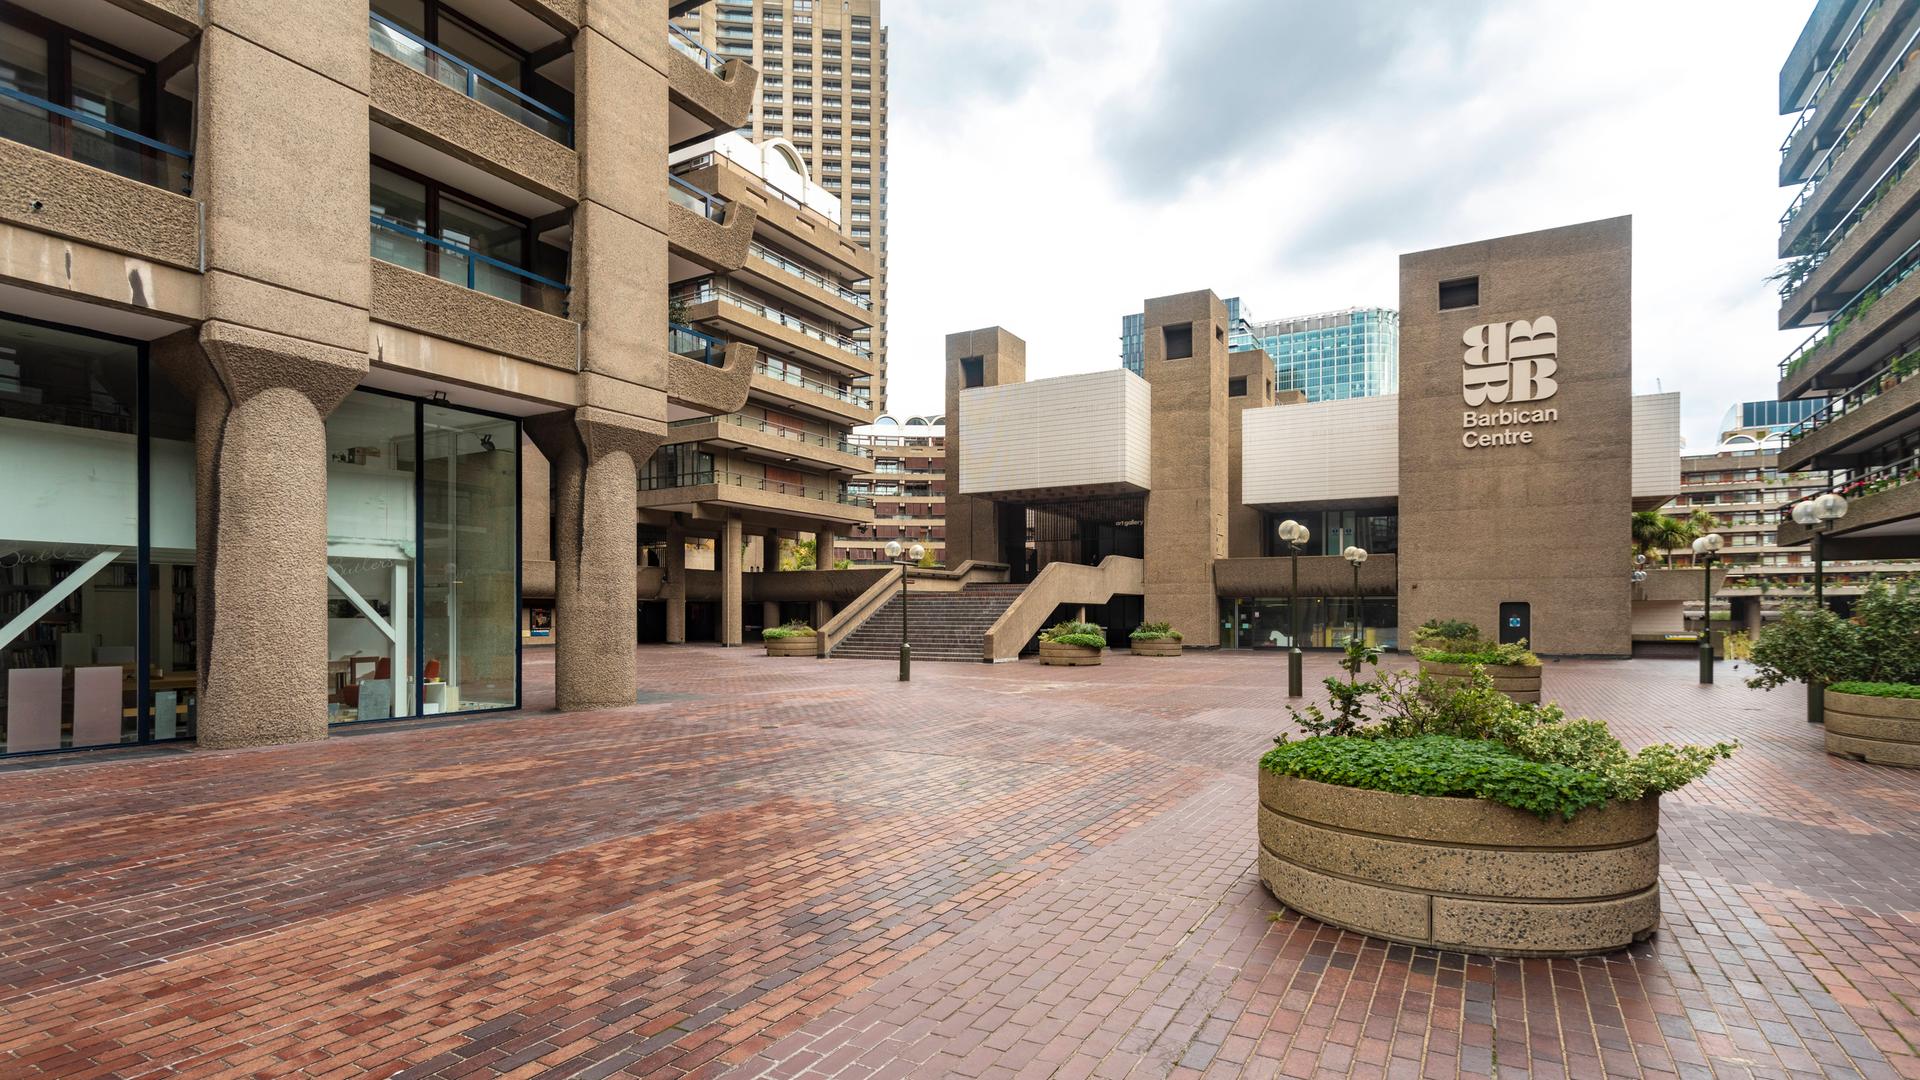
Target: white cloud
{"type": "Point", "coordinates": [1051, 165]}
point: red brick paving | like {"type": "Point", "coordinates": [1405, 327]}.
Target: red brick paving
{"type": "Point", "coordinates": [794, 868]}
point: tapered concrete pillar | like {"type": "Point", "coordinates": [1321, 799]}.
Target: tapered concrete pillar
{"type": "Point", "coordinates": [727, 555]}
{"type": "Point", "coordinates": [770, 551]}
{"type": "Point", "coordinates": [769, 613]}
{"type": "Point", "coordinates": [824, 555]}
{"type": "Point", "coordinates": [596, 456]}
{"type": "Point", "coordinates": [261, 400]}
{"type": "Point", "coordinates": [674, 592]}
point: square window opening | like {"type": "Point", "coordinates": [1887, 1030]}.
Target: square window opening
{"type": "Point", "coordinates": [1459, 293]}
{"type": "Point", "coordinates": [1177, 340]}
{"type": "Point", "coordinates": [973, 371]}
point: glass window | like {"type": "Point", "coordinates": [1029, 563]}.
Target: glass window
{"type": "Point", "coordinates": [403, 201]}
{"type": "Point", "coordinates": [23, 67]}
{"type": "Point", "coordinates": [480, 49]}
{"type": "Point", "coordinates": [489, 234]}
{"type": "Point", "coordinates": [470, 523]}
{"type": "Point", "coordinates": [370, 558]}
{"type": "Point", "coordinates": [70, 605]}
{"type": "Point", "coordinates": [174, 627]}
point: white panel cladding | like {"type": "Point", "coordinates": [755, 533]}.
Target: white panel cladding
{"type": "Point", "coordinates": [1070, 431]}
{"type": "Point", "coordinates": [1656, 445]}
{"type": "Point", "coordinates": [1327, 451]}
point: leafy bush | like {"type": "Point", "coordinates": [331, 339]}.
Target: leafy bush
{"type": "Point", "coordinates": [1877, 689]}
{"type": "Point", "coordinates": [1589, 765]}
{"type": "Point", "coordinates": [1508, 654]}
{"type": "Point", "coordinates": [1085, 634]}
{"type": "Point", "coordinates": [792, 629]}
{"type": "Point", "coordinates": [1155, 631]}
{"type": "Point", "coordinates": [1445, 634]}
{"type": "Point", "coordinates": [1881, 643]}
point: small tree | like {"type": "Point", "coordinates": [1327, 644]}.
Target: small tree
{"type": "Point", "coordinates": [1812, 644]}
{"type": "Point", "coordinates": [802, 555]}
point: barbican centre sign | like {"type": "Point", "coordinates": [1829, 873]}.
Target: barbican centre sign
{"type": "Point", "coordinates": [1508, 364]}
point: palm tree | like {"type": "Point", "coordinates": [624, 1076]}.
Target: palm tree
{"type": "Point", "coordinates": [1654, 531]}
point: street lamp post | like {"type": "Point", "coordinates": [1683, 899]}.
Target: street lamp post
{"type": "Point", "coordinates": [1705, 550]}
{"type": "Point", "coordinates": [1356, 556]}
{"type": "Point", "coordinates": [912, 556]}
{"type": "Point", "coordinates": [1295, 535]}
{"type": "Point", "coordinates": [1817, 514]}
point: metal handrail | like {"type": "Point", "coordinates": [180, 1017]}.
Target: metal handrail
{"type": "Point", "coordinates": [1861, 113]}
{"type": "Point", "coordinates": [1905, 263]}
{"type": "Point", "coordinates": [815, 279]}
{"type": "Point", "coordinates": [94, 121]}
{"type": "Point", "coordinates": [780, 430]}
{"type": "Point", "coordinates": [710, 289]}
{"type": "Point", "coordinates": [713, 350]}
{"type": "Point", "coordinates": [1855, 396]}
{"type": "Point", "coordinates": [1894, 474]}
{"type": "Point", "coordinates": [697, 199]}
{"type": "Point", "coordinates": [850, 396]}
{"type": "Point", "coordinates": [703, 477]}
{"type": "Point", "coordinates": [1834, 66]}
{"type": "Point", "coordinates": [686, 43]}
{"type": "Point", "coordinates": [475, 76]}
{"type": "Point", "coordinates": [1857, 213]}
{"type": "Point", "coordinates": [468, 253]}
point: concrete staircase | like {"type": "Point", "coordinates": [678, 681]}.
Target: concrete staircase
{"type": "Point", "coordinates": [943, 625]}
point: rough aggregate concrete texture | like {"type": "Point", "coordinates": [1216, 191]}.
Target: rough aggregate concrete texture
{"type": "Point", "coordinates": [328, 37]}
{"type": "Point", "coordinates": [1186, 517]}
{"type": "Point", "coordinates": [721, 246]}
{"type": "Point", "coordinates": [98, 207]}
{"type": "Point", "coordinates": [434, 114]}
{"type": "Point", "coordinates": [1467, 513]}
{"type": "Point", "coordinates": [443, 309]}
{"type": "Point", "coordinates": [620, 293]}
{"type": "Point", "coordinates": [1885, 731]}
{"type": "Point", "coordinates": [979, 528]}
{"type": "Point", "coordinates": [1461, 873]}
{"type": "Point", "coordinates": [595, 456]}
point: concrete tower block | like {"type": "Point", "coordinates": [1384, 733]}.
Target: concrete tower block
{"type": "Point", "coordinates": [1186, 362]}
{"type": "Point", "coordinates": [979, 528]}
{"type": "Point", "coordinates": [596, 456]}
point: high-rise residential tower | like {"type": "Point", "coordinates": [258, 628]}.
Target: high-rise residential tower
{"type": "Point", "coordinates": [824, 90]}
{"type": "Point", "coordinates": [1849, 280]}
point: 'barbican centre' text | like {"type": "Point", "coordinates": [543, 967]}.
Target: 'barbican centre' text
{"type": "Point", "coordinates": [1504, 418]}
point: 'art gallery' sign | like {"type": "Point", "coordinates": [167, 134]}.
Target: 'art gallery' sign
{"type": "Point", "coordinates": [1508, 364]}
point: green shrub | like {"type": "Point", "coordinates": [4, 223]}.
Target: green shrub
{"type": "Point", "coordinates": [1155, 631]}
{"type": "Point", "coordinates": [1877, 689]}
{"type": "Point", "coordinates": [1446, 634]}
{"type": "Point", "coordinates": [1881, 643]}
{"type": "Point", "coordinates": [1468, 716]}
{"type": "Point", "coordinates": [1507, 654]}
{"type": "Point", "coordinates": [1085, 634]}
{"type": "Point", "coordinates": [793, 629]}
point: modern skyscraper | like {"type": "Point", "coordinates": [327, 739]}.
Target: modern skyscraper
{"type": "Point", "coordinates": [823, 88]}
{"type": "Point", "coordinates": [1327, 357]}
{"type": "Point", "coordinates": [1849, 278]}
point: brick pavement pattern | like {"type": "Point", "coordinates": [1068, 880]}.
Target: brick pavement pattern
{"type": "Point", "coordinates": [786, 868]}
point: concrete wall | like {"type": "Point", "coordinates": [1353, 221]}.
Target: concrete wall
{"type": "Point", "coordinates": [977, 528]}
{"type": "Point", "coordinates": [1331, 453]}
{"type": "Point", "coordinates": [1656, 447]}
{"type": "Point", "coordinates": [1186, 517]}
{"type": "Point", "coordinates": [1071, 431]}
{"type": "Point", "coordinates": [1542, 519]}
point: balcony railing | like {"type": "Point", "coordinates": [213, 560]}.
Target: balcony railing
{"type": "Point", "coordinates": [850, 395]}
{"type": "Point", "coordinates": [703, 291]}
{"type": "Point", "coordinates": [705, 203]}
{"type": "Point", "coordinates": [415, 250]}
{"type": "Point", "coordinates": [754, 423]}
{"type": "Point", "coordinates": [1883, 379]}
{"type": "Point", "coordinates": [687, 44]}
{"type": "Point", "coordinates": [694, 345]}
{"type": "Point", "coordinates": [818, 281]}
{"type": "Point", "coordinates": [443, 67]}
{"type": "Point", "coordinates": [1855, 307]}
{"type": "Point", "coordinates": [1874, 480]}
{"type": "Point", "coordinates": [90, 140]}
{"type": "Point", "coordinates": [1855, 124]}
{"type": "Point", "coordinates": [1801, 268]}
{"type": "Point", "coordinates": [754, 483]}
{"type": "Point", "coordinates": [1834, 68]}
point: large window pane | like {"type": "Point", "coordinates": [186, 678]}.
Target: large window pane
{"type": "Point", "coordinates": [174, 651]}
{"type": "Point", "coordinates": [69, 535]}
{"type": "Point", "coordinates": [370, 558]}
{"type": "Point", "coordinates": [23, 67]}
{"type": "Point", "coordinates": [403, 202]}
{"type": "Point", "coordinates": [471, 516]}
{"type": "Point", "coordinates": [470, 227]}
{"type": "Point", "coordinates": [109, 90]}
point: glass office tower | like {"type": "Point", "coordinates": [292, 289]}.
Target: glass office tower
{"type": "Point", "coordinates": [1335, 354]}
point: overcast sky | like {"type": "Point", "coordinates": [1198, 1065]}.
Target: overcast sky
{"type": "Point", "coordinates": [1054, 163]}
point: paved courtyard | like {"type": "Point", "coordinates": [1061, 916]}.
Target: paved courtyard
{"type": "Point", "coordinates": [796, 868]}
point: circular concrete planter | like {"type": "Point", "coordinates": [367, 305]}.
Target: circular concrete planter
{"type": "Point", "coordinates": [1882, 730]}
{"type": "Point", "coordinates": [1155, 647]}
{"type": "Point", "coordinates": [1463, 874]}
{"type": "Point", "coordinates": [1058, 655]}
{"type": "Point", "coordinates": [792, 646]}
{"type": "Point", "coordinates": [1518, 681]}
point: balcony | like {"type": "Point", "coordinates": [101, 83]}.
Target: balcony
{"type": "Point", "coordinates": [812, 396]}
{"type": "Point", "coordinates": [1842, 73]}
{"type": "Point", "coordinates": [1861, 149]}
{"type": "Point", "coordinates": [1859, 336]}
{"type": "Point", "coordinates": [768, 439]}
{"type": "Point", "coordinates": [797, 226]}
{"type": "Point", "coordinates": [803, 502]}
{"type": "Point", "coordinates": [718, 376]}
{"type": "Point", "coordinates": [747, 316]}
{"type": "Point", "coordinates": [91, 140]}
{"type": "Point", "coordinates": [1881, 407]}
{"type": "Point", "coordinates": [706, 233]}
{"type": "Point", "coordinates": [804, 285]}
{"type": "Point", "coordinates": [448, 261]}
{"type": "Point", "coordinates": [1854, 243]}
{"type": "Point", "coordinates": [708, 94]}
{"type": "Point", "coordinates": [399, 44]}
{"type": "Point", "coordinates": [1883, 515]}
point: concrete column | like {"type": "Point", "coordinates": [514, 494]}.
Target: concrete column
{"type": "Point", "coordinates": [1186, 514]}
{"type": "Point", "coordinates": [728, 558]}
{"type": "Point", "coordinates": [596, 456]}
{"type": "Point", "coordinates": [769, 613]}
{"type": "Point", "coordinates": [824, 541]}
{"type": "Point", "coordinates": [675, 592]}
{"type": "Point", "coordinates": [261, 466]}
{"type": "Point", "coordinates": [822, 612]}
{"type": "Point", "coordinates": [770, 552]}
{"type": "Point", "coordinates": [979, 528]}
